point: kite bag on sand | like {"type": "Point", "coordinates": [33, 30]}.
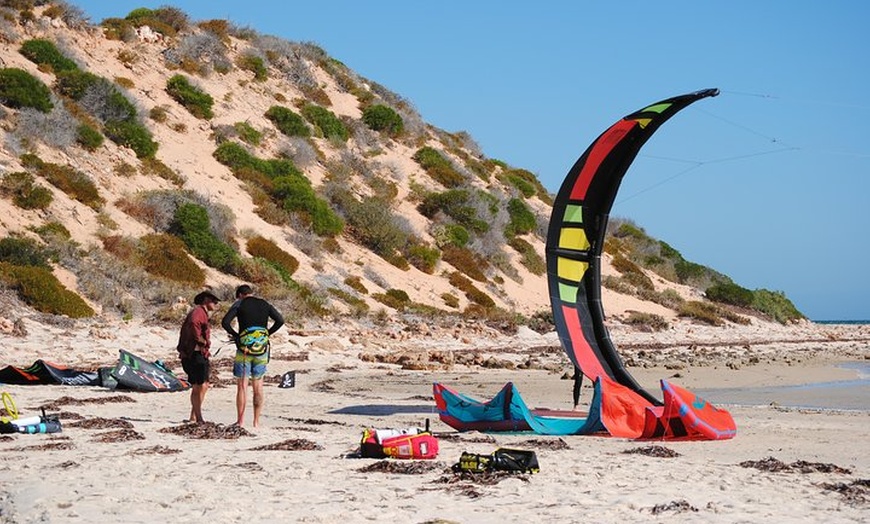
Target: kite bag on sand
{"type": "Point", "coordinates": [503, 459]}
{"type": "Point", "coordinates": [409, 443]}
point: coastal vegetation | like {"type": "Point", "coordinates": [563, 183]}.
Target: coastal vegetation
{"type": "Point", "coordinates": [336, 172]}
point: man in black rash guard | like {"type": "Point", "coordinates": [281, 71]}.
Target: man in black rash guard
{"type": "Point", "coordinates": [252, 346]}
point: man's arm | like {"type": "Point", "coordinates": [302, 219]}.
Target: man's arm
{"type": "Point", "coordinates": [227, 321]}
{"type": "Point", "coordinates": [277, 319]}
{"type": "Point", "coordinates": [199, 322]}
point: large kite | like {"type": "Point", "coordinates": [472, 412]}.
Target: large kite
{"type": "Point", "coordinates": [620, 406]}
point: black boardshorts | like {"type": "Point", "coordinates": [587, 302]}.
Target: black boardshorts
{"type": "Point", "coordinates": [197, 368]}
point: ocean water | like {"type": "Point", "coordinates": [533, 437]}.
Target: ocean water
{"type": "Point", "coordinates": [852, 395]}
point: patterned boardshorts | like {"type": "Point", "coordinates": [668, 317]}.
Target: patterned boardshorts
{"type": "Point", "coordinates": [247, 365]}
{"type": "Point", "coordinates": [253, 353]}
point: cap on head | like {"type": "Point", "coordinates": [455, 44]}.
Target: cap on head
{"type": "Point", "coordinates": [244, 289]}
{"type": "Point", "coordinates": [201, 297]}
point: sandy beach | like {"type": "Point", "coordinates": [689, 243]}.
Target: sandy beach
{"type": "Point", "coordinates": [129, 457]}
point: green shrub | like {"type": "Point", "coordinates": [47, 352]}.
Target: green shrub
{"type": "Point", "coordinates": [234, 156]}
{"type": "Point", "coordinates": [528, 256]}
{"type": "Point", "coordinates": [455, 203]}
{"type": "Point", "coordinates": [472, 293]}
{"type": "Point", "coordinates": [20, 251]}
{"type": "Point", "coordinates": [254, 64]}
{"type": "Point", "coordinates": [632, 273]}
{"type": "Point", "coordinates": [358, 306]}
{"type": "Point", "coordinates": [18, 88]}
{"type": "Point", "coordinates": [40, 289]}
{"type": "Point", "coordinates": [219, 28]}
{"type": "Point", "coordinates": [524, 181]}
{"type": "Point", "coordinates": [325, 120]}
{"type": "Point", "coordinates": [297, 195]}
{"type": "Point", "coordinates": [438, 167]}
{"type": "Point", "coordinates": [324, 221]}
{"type": "Point", "coordinates": [191, 224]}
{"type": "Point", "coordinates": [74, 183]}
{"type": "Point", "coordinates": [703, 311]}
{"type": "Point", "coordinates": [422, 257]}
{"type": "Point", "coordinates": [256, 178]}
{"type": "Point", "coordinates": [522, 220]}
{"type": "Point", "coordinates": [629, 230]}
{"type": "Point", "coordinates": [450, 300]}
{"type": "Point", "coordinates": [109, 104]}
{"type": "Point", "coordinates": [457, 235]}
{"type": "Point", "coordinates": [373, 223]}
{"type": "Point", "coordinates": [165, 256]}
{"type": "Point", "coordinates": [288, 122]}
{"type": "Point", "coordinates": [89, 138]}
{"type": "Point", "coordinates": [288, 186]}
{"type": "Point", "coordinates": [75, 83]}
{"type": "Point", "coordinates": [52, 230]}
{"type": "Point", "coordinates": [776, 305]}
{"type": "Point", "coordinates": [44, 52]}
{"type": "Point", "coordinates": [466, 261]}
{"type": "Point", "coordinates": [167, 21]}
{"type": "Point", "coordinates": [398, 295]}
{"type": "Point", "coordinates": [647, 320]}
{"type": "Point", "coordinates": [356, 284]}
{"type": "Point", "coordinates": [24, 190]}
{"type": "Point", "coordinates": [687, 272]}
{"type": "Point", "coordinates": [125, 82]}
{"type": "Point", "coordinates": [394, 298]}
{"type": "Point", "coordinates": [159, 114]}
{"type": "Point", "coordinates": [237, 158]}
{"type": "Point", "coordinates": [730, 293]}
{"type": "Point", "coordinates": [247, 133]}
{"type": "Point", "coordinates": [118, 29]}
{"type": "Point", "coordinates": [133, 135]}
{"type": "Point", "coordinates": [668, 251]}
{"type": "Point", "coordinates": [154, 167]}
{"type": "Point", "coordinates": [266, 249]}
{"type": "Point", "coordinates": [198, 102]}
{"type": "Point", "coordinates": [379, 117]}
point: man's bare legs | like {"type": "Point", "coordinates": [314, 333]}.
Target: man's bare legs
{"type": "Point", "coordinates": [197, 397]}
{"type": "Point", "coordinates": [257, 384]}
{"type": "Point", "coordinates": [241, 399]}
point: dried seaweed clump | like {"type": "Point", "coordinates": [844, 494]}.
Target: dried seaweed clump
{"type": "Point", "coordinates": [155, 450]}
{"type": "Point", "coordinates": [48, 446]}
{"type": "Point", "coordinates": [653, 451]}
{"type": "Point", "coordinates": [855, 493]}
{"type": "Point", "coordinates": [119, 435]}
{"type": "Point", "coordinates": [295, 444]}
{"type": "Point", "coordinates": [101, 423]}
{"type": "Point", "coordinates": [414, 467]}
{"type": "Point", "coordinates": [557, 444]}
{"type": "Point", "coordinates": [208, 430]}
{"type": "Point", "coordinates": [676, 506]}
{"type": "Point", "coordinates": [774, 465]}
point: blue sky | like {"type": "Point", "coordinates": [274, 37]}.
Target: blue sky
{"type": "Point", "coordinates": [768, 183]}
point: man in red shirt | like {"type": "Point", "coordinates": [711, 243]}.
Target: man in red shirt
{"type": "Point", "coordinates": [194, 343]}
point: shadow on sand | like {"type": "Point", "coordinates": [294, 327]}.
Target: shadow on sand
{"type": "Point", "coordinates": [384, 409]}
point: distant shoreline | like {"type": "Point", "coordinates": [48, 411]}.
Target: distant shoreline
{"type": "Point", "coordinates": [851, 394]}
{"type": "Point", "coordinates": [850, 322]}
